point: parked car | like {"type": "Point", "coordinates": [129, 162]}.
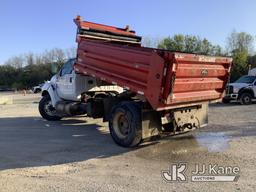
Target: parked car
{"type": "Point", "coordinates": [38, 88]}
{"type": "Point", "coordinates": [242, 90]}
{"type": "Point", "coordinates": [5, 88]}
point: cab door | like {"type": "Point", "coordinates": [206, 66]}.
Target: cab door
{"type": "Point", "coordinates": [65, 81]}
{"type": "Point", "coordinates": [254, 88]}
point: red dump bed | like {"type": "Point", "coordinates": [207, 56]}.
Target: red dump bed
{"type": "Point", "coordinates": [166, 79]}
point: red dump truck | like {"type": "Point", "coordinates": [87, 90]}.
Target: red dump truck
{"type": "Point", "coordinates": [164, 91]}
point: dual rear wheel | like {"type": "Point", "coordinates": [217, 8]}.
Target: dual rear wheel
{"type": "Point", "coordinates": [125, 124]}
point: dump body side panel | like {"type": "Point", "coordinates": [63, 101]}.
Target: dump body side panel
{"type": "Point", "coordinates": [195, 78]}
{"type": "Point", "coordinates": [136, 69]}
{"type": "Point", "coordinates": [166, 79]}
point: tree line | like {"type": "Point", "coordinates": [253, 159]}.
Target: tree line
{"type": "Point", "coordinates": [239, 46]}
{"type": "Point", "coordinates": [28, 70]}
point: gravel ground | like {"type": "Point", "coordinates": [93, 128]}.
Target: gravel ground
{"type": "Point", "coordinates": [78, 154]}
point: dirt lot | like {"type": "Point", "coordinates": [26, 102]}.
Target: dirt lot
{"type": "Point", "coordinates": [78, 154]}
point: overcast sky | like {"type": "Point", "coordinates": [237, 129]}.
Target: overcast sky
{"type": "Point", "coordinates": [36, 25]}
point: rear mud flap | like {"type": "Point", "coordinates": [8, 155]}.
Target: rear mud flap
{"type": "Point", "coordinates": [190, 118]}
{"type": "Point", "coordinates": [151, 124]}
{"type": "Point", "coordinates": [184, 119]}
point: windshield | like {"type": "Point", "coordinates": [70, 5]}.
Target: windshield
{"type": "Point", "coordinates": [246, 79]}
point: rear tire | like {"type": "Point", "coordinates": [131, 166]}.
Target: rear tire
{"type": "Point", "coordinates": [125, 124]}
{"type": "Point", "coordinates": [46, 109]}
{"type": "Point", "coordinates": [246, 99]}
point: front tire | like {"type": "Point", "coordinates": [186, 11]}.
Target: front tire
{"type": "Point", "coordinates": [246, 99]}
{"type": "Point", "coordinates": [125, 124]}
{"type": "Point", "coordinates": [46, 109]}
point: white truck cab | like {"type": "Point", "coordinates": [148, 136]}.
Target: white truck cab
{"type": "Point", "coordinates": [67, 92]}
{"type": "Point", "coordinates": [242, 90]}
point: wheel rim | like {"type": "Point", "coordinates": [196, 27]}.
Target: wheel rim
{"type": "Point", "coordinates": [246, 99]}
{"type": "Point", "coordinates": [49, 109]}
{"type": "Point", "coordinates": [121, 125]}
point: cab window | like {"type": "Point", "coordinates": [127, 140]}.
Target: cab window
{"type": "Point", "coordinates": [246, 79]}
{"type": "Point", "coordinates": [67, 67]}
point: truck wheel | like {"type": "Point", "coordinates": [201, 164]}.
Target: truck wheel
{"type": "Point", "coordinates": [246, 99]}
{"type": "Point", "coordinates": [46, 109]}
{"type": "Point", "coordinates": [125, 124]}
{"type": "Point", "coordinates": [225, 100]}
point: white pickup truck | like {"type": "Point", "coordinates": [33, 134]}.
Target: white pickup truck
{"type": "Point", "coordinates": [242, 90]}
{"type": "Point", "coordinates": [67, 92]}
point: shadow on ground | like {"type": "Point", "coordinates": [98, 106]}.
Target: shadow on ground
{"type": "Point", "coordinates": [33, 142]}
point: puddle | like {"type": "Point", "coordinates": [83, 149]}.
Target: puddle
{"type": "Point", "coordinates": [213, 141]}
{"type": "Point", "coordinates": [184, 146]}
{"type": "Point", "coordinates": [171, 147]}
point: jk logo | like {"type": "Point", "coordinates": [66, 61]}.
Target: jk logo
{"type": "Point", "coordinates": [175, 173]}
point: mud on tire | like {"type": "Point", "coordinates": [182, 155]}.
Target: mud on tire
{"type": "Point", "coordinates": [125, 124]}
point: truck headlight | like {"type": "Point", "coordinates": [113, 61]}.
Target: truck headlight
{"type": "Point", "coordinates": [235, 90]}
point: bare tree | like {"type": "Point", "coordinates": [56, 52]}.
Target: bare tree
{"type": "Point", "coordinates": [29, 59]}
{"type": "Point", "coordinates": [38, 59]}
{"type": "Point", "coordinates": [59, 55]}
{"type": "Point", "coordinates": [70, 53]}
{"type": "Point", "coordinates": [47, 57]}
{"type": "Point", "coordinates": [150, 42]}
{"type": "Point", "coordinates": [16, 61]}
